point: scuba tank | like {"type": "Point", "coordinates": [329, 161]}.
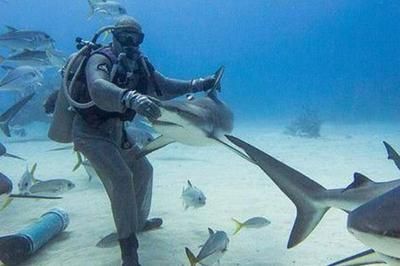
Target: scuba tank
{"type": "Point", "coordinates": [61, 126]}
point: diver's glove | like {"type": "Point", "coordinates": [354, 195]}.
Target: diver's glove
{"type": "Point", "coordinates": [141, 104]}
{"type": "Point", "coordinates": [203, 84]}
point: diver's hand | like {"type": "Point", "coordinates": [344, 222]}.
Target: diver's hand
{"type": "Point", "coordinates": [141, 104]}
{"type": "Point", "coordinates": [204, 84]}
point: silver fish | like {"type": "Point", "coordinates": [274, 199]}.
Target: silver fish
{"type": "Point", "coordinates": [212, 251]}
{"type": "Point", "coordinates": [27, 180]}
{"type": "Point", "coordinates": [40, 59]}
{"type": "Point", "coordinates": [193, 197]}
{"type": "Point", "coordinates": [15, 39]}
{"type": "Point", "coordinates": [108, 241]}
{"type": "Point", "coordinates": [52, 186]}
{"type": "Point", "coordinates": [255, 222]}
{"type": "Point", "coordinates": [20, 77]}
{"type": "Point", "coordinates": [111, 9]}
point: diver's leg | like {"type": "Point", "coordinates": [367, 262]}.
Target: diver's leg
{"type": "Point", "coordinates": [143, 180]}
{"type": "Point", "coordinates": [117, 179]}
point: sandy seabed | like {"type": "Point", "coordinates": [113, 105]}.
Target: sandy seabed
{"type": "Point", "coordinates": [234, 188]}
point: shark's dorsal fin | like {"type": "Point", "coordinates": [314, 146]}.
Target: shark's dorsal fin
{"type": "Point", "coordinates": [10, 29]}
{"type": "Point", "coordinates": [390, 151]}
{"type": "Point", "coordinates": [210, 231]}
{"type": "Point", "coordinates": [360, 180]}
{"type": "Point", "coordinates": [189, 183]}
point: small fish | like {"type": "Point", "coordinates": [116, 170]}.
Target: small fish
{"type": "Point", "coordinates": [9, 114]}
{"type": "Point", "coordinates": [27, 180]}
{"type": "Point", "coordinates": [35, 58]}
{"type": "Point", "coordinates": [52, 186]}
{"type": "Point", "coordinates": [111, 9]}
{"type": "Point", "coordinates": [212, 251]}
{"type": "Point", "coordinates": [15, 39]}
{"type": "Point", "coordinates": [89, 169]}
{"type": "Point", "coordinates": [108, 241]}
{"type": "Point", "coordinates": [20, 77]}
{"type": "Point", "coordinates": [193, 197]}
{"type": "Point", "coordinates": [255, 222]}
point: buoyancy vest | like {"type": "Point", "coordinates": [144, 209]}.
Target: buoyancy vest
{"type": "Point", "coordinates": [95, 115]}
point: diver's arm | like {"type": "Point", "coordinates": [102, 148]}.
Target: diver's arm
{"type": "Point", "coordinates": [171, 88]}
{"type": "Point", "coordinates": [106, 95]}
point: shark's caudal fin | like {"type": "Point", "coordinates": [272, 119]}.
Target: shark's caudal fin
{"type": "Point", "coordinates": [364, 258]}
{"type": "Point", "coordinates": [11, 112]}
{"type": "Point", "coordinates": [392, 154]}
{"type": "Point", "coordinates": [154, 145]}
{"type": "Point", "coordinates": [299, 188]}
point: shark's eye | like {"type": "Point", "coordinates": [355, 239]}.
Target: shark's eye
{"type": "Point", "coordinates": [26, 184]}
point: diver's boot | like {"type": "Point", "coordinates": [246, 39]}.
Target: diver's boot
{"type": "Point", "coordinates": [129, 247]}
{"type": "Point", "coordinates": [152, 224]}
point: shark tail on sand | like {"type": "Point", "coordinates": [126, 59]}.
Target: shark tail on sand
{"type": "Point", "coordinates": [6, 117]}
{"type": "Point", "coordinates": [192, 258]}
{"type": "Point", "coordinates": [301, 190]}
{"type": "Point", "coordinates": [367, 257]}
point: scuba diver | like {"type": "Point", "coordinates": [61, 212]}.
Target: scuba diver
{"type": "Point", "coordinates": [118, 80]}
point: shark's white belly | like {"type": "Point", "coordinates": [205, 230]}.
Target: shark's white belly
{"type": "Point", "coordinates": [189, 135]}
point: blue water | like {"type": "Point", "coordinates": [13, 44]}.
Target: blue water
{"type": "Point", "coordinates": [340, 57]}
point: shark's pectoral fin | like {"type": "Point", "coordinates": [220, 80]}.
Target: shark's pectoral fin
{"type": "Point", "coordinates": [364, 258]}
{"type": "Point", "coordinates": [154, 145]}
{"type": "Point", "coordinates": [14, 156]}
{"type": "Point", "coordinates": [238, 152]}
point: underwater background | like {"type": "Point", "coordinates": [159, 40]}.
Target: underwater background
{"type": "Point", "coordinates": [340, 57]}
{"type": "Point", "coordinates": [287, 63]}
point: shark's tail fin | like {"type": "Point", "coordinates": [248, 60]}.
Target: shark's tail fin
{"type": "Point", "coordinates": [192, 258]}
{"type": "Point", "coordinates": [6, 117]}
{"type": "Point", "coordinates": [301, 190]}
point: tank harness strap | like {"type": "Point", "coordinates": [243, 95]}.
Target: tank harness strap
{"type": "Point", "coordinates": [150, 74]}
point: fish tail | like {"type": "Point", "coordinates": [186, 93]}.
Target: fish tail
{"type": "Point", "coordinates": [192, 258]}
{"type": "Point", "coordinates": [238, 225]}
{"type": "Point", "coordinates": [79, 162]}
{"type": "Point", "coordinates": [6, 203]}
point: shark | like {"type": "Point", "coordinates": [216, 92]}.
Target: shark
{"type": "Point", "coordinates": [193, 121]}
{"type": "Point", "coordinates": [376, 225]}
{"type": "Point", "coordinates": [312, 200]}
{"type": "Point", "coordinates": [9, 114]}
